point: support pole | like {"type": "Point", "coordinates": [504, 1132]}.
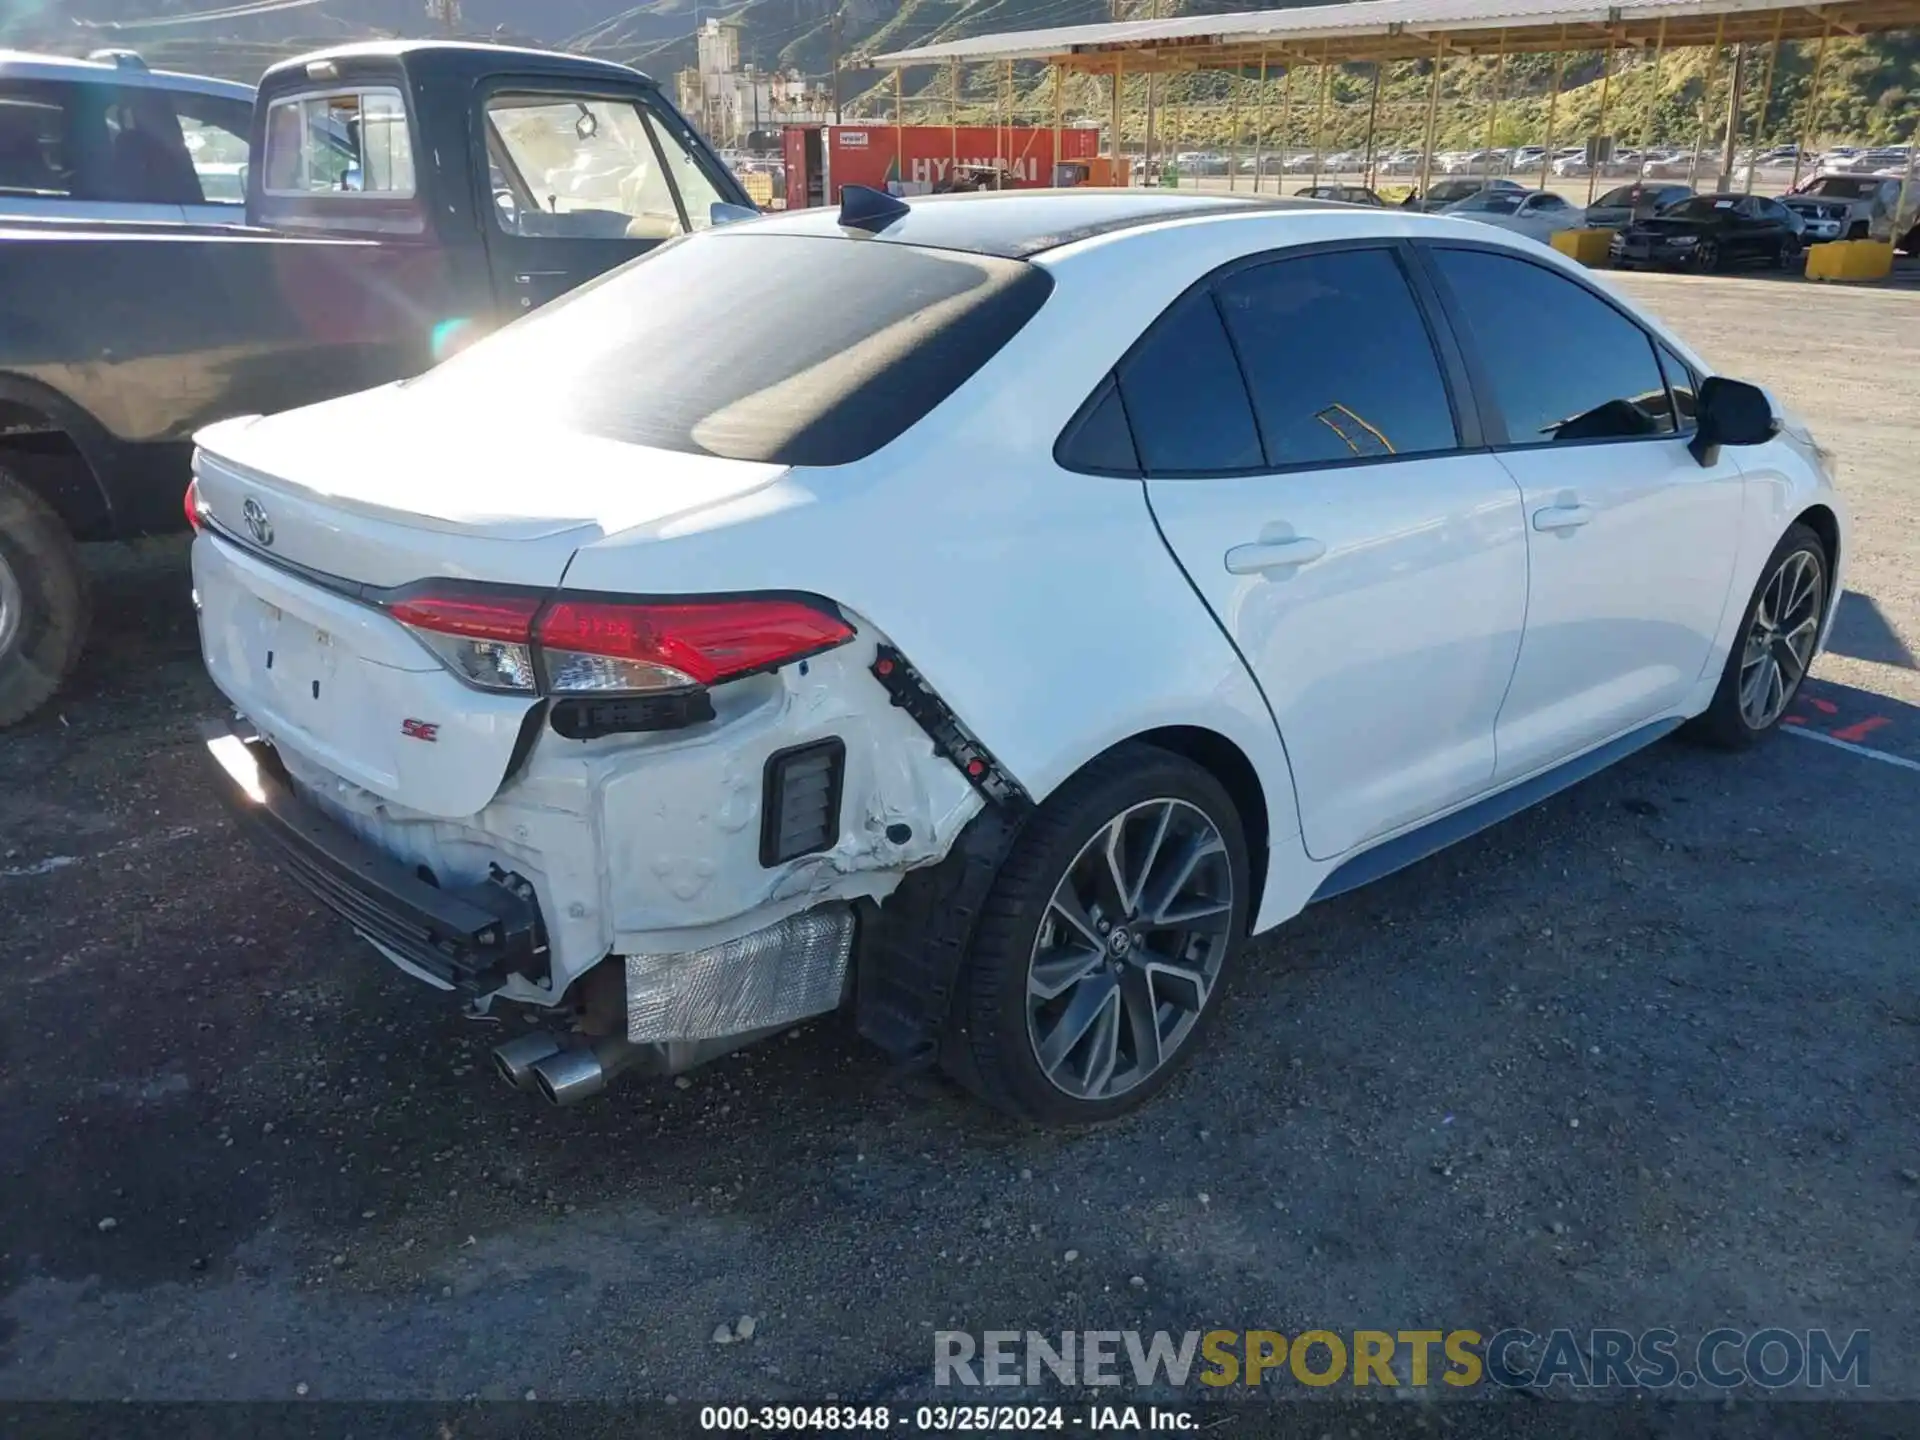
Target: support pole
{"type": "Point", "coordinates": [1059, 121]}
{"type": "Point", "coordinates": [1730, 139]}
{"type": "Point", "coordinates": [1113, 125]}
{"type": "Point", "coordinates": [1286, 126]}
{"type": "Point", "coordinates": [1906, 188]}
{"type": "Point", "coordinates": [1499, 80]}
{"type": "Point", "coordinates": [1260, 126]}
{"type": "Point", "coordinates": [1813, 105]}
{"type": "Point", "coordinates": [1373, 119]}
{"type": "Point", "coordinates": [1553, 104]}
{"type": "Point", "coordinates": [1233, 131]}
{"type": "Point", "coordinates": [953, 116]}
{"type": "Point", "coordinates": [899, 127]}
{"type": "Point", "coordinates": [1320, 116]}
{"type": "Point", "coordinates": [1706, 100]}
{"type": "Point", "coordinates": [1002, 122]}
{"type": "Point", "coordinates": [1653, 100]}
{"type": "Point", "coordinates": [1766, 99]}
{"type": "Point", "coordinates": [1600, 128]}
{"type": "Point", "coordinates": [1433, 116]}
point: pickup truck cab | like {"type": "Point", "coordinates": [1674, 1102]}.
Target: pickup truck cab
{"type": "Point", "coordinates": [402, 197]}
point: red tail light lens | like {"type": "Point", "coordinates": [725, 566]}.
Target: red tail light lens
{"type": "Point", "coordinates": [595, 646]}
{"type": "Point", "coordinates": [609, 647]}
{"type": "Point", "coordinates": [192, 504]}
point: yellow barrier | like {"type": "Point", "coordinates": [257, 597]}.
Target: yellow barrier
{"type": "Point", "coordinates": [1850, 260]}
{"type": "Point", "coordinates": [1589, 247]}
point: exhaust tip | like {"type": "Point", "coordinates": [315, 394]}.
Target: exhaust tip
{"type": "Point", "coordinates": [515, 1060]}
{"type": "Point", "coordinates": [569, 1076]}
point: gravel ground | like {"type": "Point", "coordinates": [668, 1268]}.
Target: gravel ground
{"type": "Point", "coordinates": [1644, 1056]}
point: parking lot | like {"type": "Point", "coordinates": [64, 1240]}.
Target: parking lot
{"type": "Point", "coordinates": [1646, 1056]}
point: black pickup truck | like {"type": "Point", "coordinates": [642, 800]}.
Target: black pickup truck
{"type": "Point", "coordinates": [402, 198]}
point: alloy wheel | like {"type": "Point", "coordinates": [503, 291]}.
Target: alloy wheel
{"type": "Point", "coordinates": [1780, 639]}
{"type": "Point", "coordinates": [1130, 949]}
{"type": "Point", "coordinates": [1707, 255]}
{"type": "Point", "coordinates": [12, 607]}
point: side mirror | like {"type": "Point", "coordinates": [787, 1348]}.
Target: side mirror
{"type": "Point", "coordinates": [721, 213]}
{"type": "Point", "coordinates": [1730, 412]}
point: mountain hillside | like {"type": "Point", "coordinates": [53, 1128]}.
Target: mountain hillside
{"type": "Point", "coordinates": [1870, 90]}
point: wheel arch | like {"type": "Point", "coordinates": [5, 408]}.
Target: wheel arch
{"type": "Point", "coordinates": [1227, 763]}
{"type": "Point", "coordinates": [36, 421]}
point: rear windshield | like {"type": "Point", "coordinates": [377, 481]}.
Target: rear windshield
{"type": "Point", "coordinates": [793, 349]}
{"type": "Point", "coordinates": [1840, 187]}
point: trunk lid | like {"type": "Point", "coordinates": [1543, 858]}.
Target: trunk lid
{"type": "Point", "coordinates": [315, 512]}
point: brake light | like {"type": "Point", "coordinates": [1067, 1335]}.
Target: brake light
{"type": "Point", "coordinates": [192, 504]}
{"type": "Point", "coordinates": [596, 647]}
{"type": "Point", "coordinates": [503, 640]}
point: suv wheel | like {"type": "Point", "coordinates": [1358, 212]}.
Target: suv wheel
{"type": "Point", "coordinates": [1101, 949]}
{"type": "Point", "coordinates": [43, 598]}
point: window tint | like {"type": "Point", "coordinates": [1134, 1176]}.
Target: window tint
{"type": "Point", "coordinates": [1102, 440]}
{"type": "Point", "coordinates": [1564, 364]}
{"type": "Point", "coordinates": [1337, 358]}
{"type": "Point", "coordinates": [36, 156]}
{"type": "Point", "coordinates": [144, 157]}
{"type": "Point", "coordinates": [1682, 383]}
{"type": "Point", "coordinates": [644, 355]}
{"type": "Point", "coordinates": [1185, 397]}
{"type": "Point", "coordinates": [355, 141]}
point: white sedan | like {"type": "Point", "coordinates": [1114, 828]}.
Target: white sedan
{"type": "Point", "coordinates": [983, 613]}
{"type": "Point", "coordinates": [1538, 214]}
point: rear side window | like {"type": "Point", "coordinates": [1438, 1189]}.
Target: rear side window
{"type": "Point", "coordinates": [1564, 364]}
{"type": "Point", "coordinates": [353, 141]}
{"type": "Point", "coordinates": [719, 344]}
{"type": "Point", "coordinates": [216, 131]}
{"type": "Point", "coordinates": [36, 144]}
{"type": "Point", "coordinates": [1185, 397]}
{"type": "Point", "coordinates": [1337, 358]}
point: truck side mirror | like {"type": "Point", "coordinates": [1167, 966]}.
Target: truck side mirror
{"type": "Point", "coordinates": [1730, 412]}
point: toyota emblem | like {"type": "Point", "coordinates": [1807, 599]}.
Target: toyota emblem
{"type": "Point", "coordinates": [258, 525]}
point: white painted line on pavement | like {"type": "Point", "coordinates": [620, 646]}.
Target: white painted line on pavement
{"type": "Point", "coordinates": [1848, 745]}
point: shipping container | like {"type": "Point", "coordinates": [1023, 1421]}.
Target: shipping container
{"type": "Point", "coordinates": [919, 159]}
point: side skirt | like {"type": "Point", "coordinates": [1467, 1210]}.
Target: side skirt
{"type": "Point", "coordinates": [1436, 835]}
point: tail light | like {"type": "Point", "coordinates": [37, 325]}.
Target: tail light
{"type": "Point", "coordinates": [192, 504]}
{"type": "Point", "coordinates": [586, 646]}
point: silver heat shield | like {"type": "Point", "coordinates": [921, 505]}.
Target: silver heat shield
{"type": "Point", "coordinates": [786, 972]}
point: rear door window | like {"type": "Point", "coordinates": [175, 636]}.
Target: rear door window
{"type": "Point", "coordinates": [36, 140]}
{"type": "Point", "coordinates": [1337, 358]}
{"type": "Point", "coordinates": [143, 157]}
{"type": "Point", "coordinates": [719, 344]}
{"type": "Point", "coordinates": [1563, 363]}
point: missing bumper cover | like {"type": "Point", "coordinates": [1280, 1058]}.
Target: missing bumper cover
{"type": "Point", "coordinates": [791, 969]}
{"type": "Point", "coordinates": [910, 691]}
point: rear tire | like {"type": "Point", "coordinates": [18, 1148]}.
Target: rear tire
{"type": "Point", "coordinates": [1768, 662]}
{"type": "Point", "coordinates": [44, 604]}
{"type": "Point", "coordinates": [1048, 950]}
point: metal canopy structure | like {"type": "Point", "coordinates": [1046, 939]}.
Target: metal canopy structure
{"type": "Point", "coordinates": [1409, 30]}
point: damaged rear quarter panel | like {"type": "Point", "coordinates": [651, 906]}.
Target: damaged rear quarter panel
{"type": "Point", "coordinates": [680, 816]}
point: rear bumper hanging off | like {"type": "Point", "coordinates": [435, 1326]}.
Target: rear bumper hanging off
{"type": "Point", "coordinates": [471, 938]}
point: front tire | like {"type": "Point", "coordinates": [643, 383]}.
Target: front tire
{"type": "Point", "coordinates": [1100, 952]}
{"type": "Point", "coordinates": [44, 605]}
{"type": "Point", "coordinates": [1774, 647]}
{"type": "Point", "coordinates": [1706, 257]}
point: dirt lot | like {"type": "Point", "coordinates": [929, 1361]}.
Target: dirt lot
{"type": "Point", "coordinates": [1645, 1056]}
